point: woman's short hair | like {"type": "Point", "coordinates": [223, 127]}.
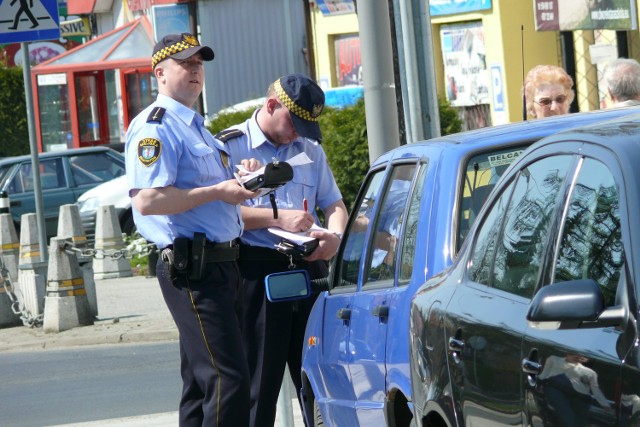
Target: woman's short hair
{"type": "Point", "coordinates": [546, 74]}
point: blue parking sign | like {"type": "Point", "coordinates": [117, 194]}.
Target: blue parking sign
{"type": "Point", "coordinates": [496, 83]}
{"type": "Point", "coordinates": [28, 20]}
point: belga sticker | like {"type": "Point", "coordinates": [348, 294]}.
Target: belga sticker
{"type": "Point", "coordinates": [503, 159]}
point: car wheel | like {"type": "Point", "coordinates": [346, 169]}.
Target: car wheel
{"type": "Point", "coordinates": [317, 416]}
{"type": "Point", "coordinates": [128, 226]}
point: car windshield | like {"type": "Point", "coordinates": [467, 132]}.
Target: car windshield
{"type": "Point", "coordinates": [481, 174]}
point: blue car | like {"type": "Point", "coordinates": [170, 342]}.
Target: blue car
{"type": "Point", "coordinates": [536, 322]}
{"type": "Point", "coordinates": [415, 208]}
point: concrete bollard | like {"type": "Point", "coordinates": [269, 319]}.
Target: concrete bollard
{"type": "Point", "coordinates": [108, 241]}
{"type": "Point", "coordinates": [7, 299]}
{"type": "Point", "coordinates": [32, 270]}
{"type": "Point", "coordinates": [66, 305]}
{"type": "Point", "coordinates": [5, 203]}
{"type": "Point", "coordinates": [70, 227]}
{"type": "Point", "coordinates": [9, 245]}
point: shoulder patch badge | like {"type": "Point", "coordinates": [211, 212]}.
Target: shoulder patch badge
{"type": "Point", "coordinates": [149, 150]}
{"type": "Point", "coordinates": [227, 134]}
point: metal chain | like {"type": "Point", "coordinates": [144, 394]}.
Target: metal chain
{"type": "Point", "coordinates": [32, 321]}
{"type": "Point", "coordinates": [17, 307]}
{"type": "Point", "coordinates": [127, 253]}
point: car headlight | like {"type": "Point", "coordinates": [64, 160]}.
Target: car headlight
{"type": "Point", "coordinates": [89, 205]}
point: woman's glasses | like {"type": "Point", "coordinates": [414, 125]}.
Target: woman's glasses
{"type": "Point", "coordinates": [546, 102]}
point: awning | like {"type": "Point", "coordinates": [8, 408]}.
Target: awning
{"type": "Point", "coordinates": [129, 46]}
{"type": "Point", "coordinates": [85, 7]}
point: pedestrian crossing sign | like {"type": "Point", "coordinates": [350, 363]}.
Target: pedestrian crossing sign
{"type": "Point", "coordinates": [28, 20]}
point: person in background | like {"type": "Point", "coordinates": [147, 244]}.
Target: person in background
{"type": "Point", "coordinates": [179, 177]}
{"type": "Point", "coordinates": [622, 77]}
{"type": "Point", "coordinates": [286, 125]}
{"type": "Point", "coordinates": [547, 91]}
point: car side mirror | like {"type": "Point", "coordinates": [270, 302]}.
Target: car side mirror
{"type": "Point", "coordinates": [574, 304]}
{"type": "Point", "coordinates": [287, 285]}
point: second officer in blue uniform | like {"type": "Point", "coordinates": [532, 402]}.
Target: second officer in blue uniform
{"type": "Point", "coordinates": [184, 199]}
{"type": "Point", "coordinates": [285, 126]}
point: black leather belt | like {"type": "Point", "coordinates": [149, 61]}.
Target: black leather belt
{"type": "Point", "coordinates": [221, 251]}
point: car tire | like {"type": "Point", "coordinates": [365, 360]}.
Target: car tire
{"type": "Point", "coordinates": [317, 416]}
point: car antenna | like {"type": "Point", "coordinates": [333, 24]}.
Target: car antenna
{"type": "Point", "coordinates": [524, 97]}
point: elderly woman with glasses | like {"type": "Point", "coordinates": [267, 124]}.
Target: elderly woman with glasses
{"type": "Point", "coordinates": [547, 91]}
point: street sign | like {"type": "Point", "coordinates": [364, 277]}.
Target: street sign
{"type": "Point", "coordinates": [28, 20]}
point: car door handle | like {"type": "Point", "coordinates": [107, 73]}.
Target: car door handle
{"type": "Point", "coordinates": [531, 367]}
{"type": "Point", "coordinates": [344, 314]}
{"type": "Point", "coordinates": [456, 345]}
{"type": "Point", "coordinates": [381, 311]}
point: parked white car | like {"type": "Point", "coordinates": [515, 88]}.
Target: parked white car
{"type": "Point", "coordinates": [113, 192]}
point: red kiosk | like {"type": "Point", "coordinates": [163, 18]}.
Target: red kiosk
{"type": "Point", "coordinates": [88, 95]}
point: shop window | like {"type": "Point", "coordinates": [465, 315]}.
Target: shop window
{"type": "Point", "coordinates": [55, 120]}
{"type": "Point", "coordinates": [88, 108]}
{"type": "Point", "coordinates": [348, 60]}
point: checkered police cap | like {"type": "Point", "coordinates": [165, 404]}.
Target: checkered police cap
{"type": "Point", "coordinates": [179, 46]}
{"type": "Point", "coordinates": [305, 100]}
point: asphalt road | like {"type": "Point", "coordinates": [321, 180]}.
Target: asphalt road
{"type": "Point", "coordinates": [88, 383]}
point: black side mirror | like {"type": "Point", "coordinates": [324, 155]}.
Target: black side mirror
{"type": "Point", "coordinates": [287, 285]}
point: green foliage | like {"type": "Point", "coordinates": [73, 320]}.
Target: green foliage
{"type": "Point", "coordinates": [225, 120]}
{"type": "Point", "coordinates": [345, 140]}
{"type": "Point", "coordinates": [450, 122]}
{"type": "Point", "coordinates": [13, 113]}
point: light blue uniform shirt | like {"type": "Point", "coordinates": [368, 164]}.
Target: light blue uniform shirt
{"type": "Point", "coordinates": [313, 181]}
{"type": "Point", "coordinates": [186, 158]}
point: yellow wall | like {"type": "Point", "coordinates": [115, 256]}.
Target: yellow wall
{"type": "Point", "coordinates": [325, 28]}
{"type": "Point", "coordinates": [510, 39]}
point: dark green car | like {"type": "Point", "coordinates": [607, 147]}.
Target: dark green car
{"type": "Point", "coordinates": [64, 175]}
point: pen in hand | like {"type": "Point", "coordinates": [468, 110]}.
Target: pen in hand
{"type": "Point", "coordinates": [305, 205]}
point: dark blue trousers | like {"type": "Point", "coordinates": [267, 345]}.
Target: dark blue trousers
{"type": "Point", "coordinates": [273, 332]}
{"type": "Point", "coordinates": [214, 368]}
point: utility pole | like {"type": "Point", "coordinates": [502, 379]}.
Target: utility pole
{"type": "Point", "coordinates": [378, 79]}
{"type": "Point", "coordinates": [417, 69]}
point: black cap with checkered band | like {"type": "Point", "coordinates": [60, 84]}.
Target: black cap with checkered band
{"type": "Point", "coordinates": [179, 46]}
{"type": "Point", "coordinates": [305, 100]}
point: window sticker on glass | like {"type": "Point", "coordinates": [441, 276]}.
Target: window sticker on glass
{"type": "Point", "coordinates": [504, 158]}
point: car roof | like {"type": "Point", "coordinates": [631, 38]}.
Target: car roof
{"type": "Point", "coordinates": [531, 130]}
{"type": "Point", "coordinates": [58, 153]}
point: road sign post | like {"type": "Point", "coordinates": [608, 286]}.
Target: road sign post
{"type": "Point", "coordinates": [23, 21]}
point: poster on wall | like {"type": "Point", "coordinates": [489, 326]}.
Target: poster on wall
{"type": "Point", "coordinates": [569, 15]}
{"type": "Point", "coordinates": [465, 65]}
{"type": "Point", "coordinates": [170, 19]}
{"type": "Point", "coordinates": [335, 7]}
{"type": "Point", "coordinates": [449, 7]}
{"type": "Point", "coordinates": [348, 60]}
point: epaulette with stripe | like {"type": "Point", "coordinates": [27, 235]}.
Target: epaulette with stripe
{"type": "Point", "coordinates": [156, 115]}
{"type": "Point", "coordinates": [227, 134]}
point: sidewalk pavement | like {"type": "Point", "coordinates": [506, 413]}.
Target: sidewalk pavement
{"type": "Point", "coordinates": [130, 310]}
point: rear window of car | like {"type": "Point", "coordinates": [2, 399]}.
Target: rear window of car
{"type": "Point", "coordinates": [480, 175]}
{"type": "Point", "coordinates": [95, 167]}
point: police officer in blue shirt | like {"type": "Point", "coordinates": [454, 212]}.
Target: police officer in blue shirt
{"type": "Point", "coordinates": [185, 200]}
{"type": "Point", "coordinates": [285, 125]}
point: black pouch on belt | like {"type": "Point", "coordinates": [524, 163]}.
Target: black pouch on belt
{"type": "Point", "coordinates": [197, 256]}
{"type": "Point", "coordinates": [181, 256]}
